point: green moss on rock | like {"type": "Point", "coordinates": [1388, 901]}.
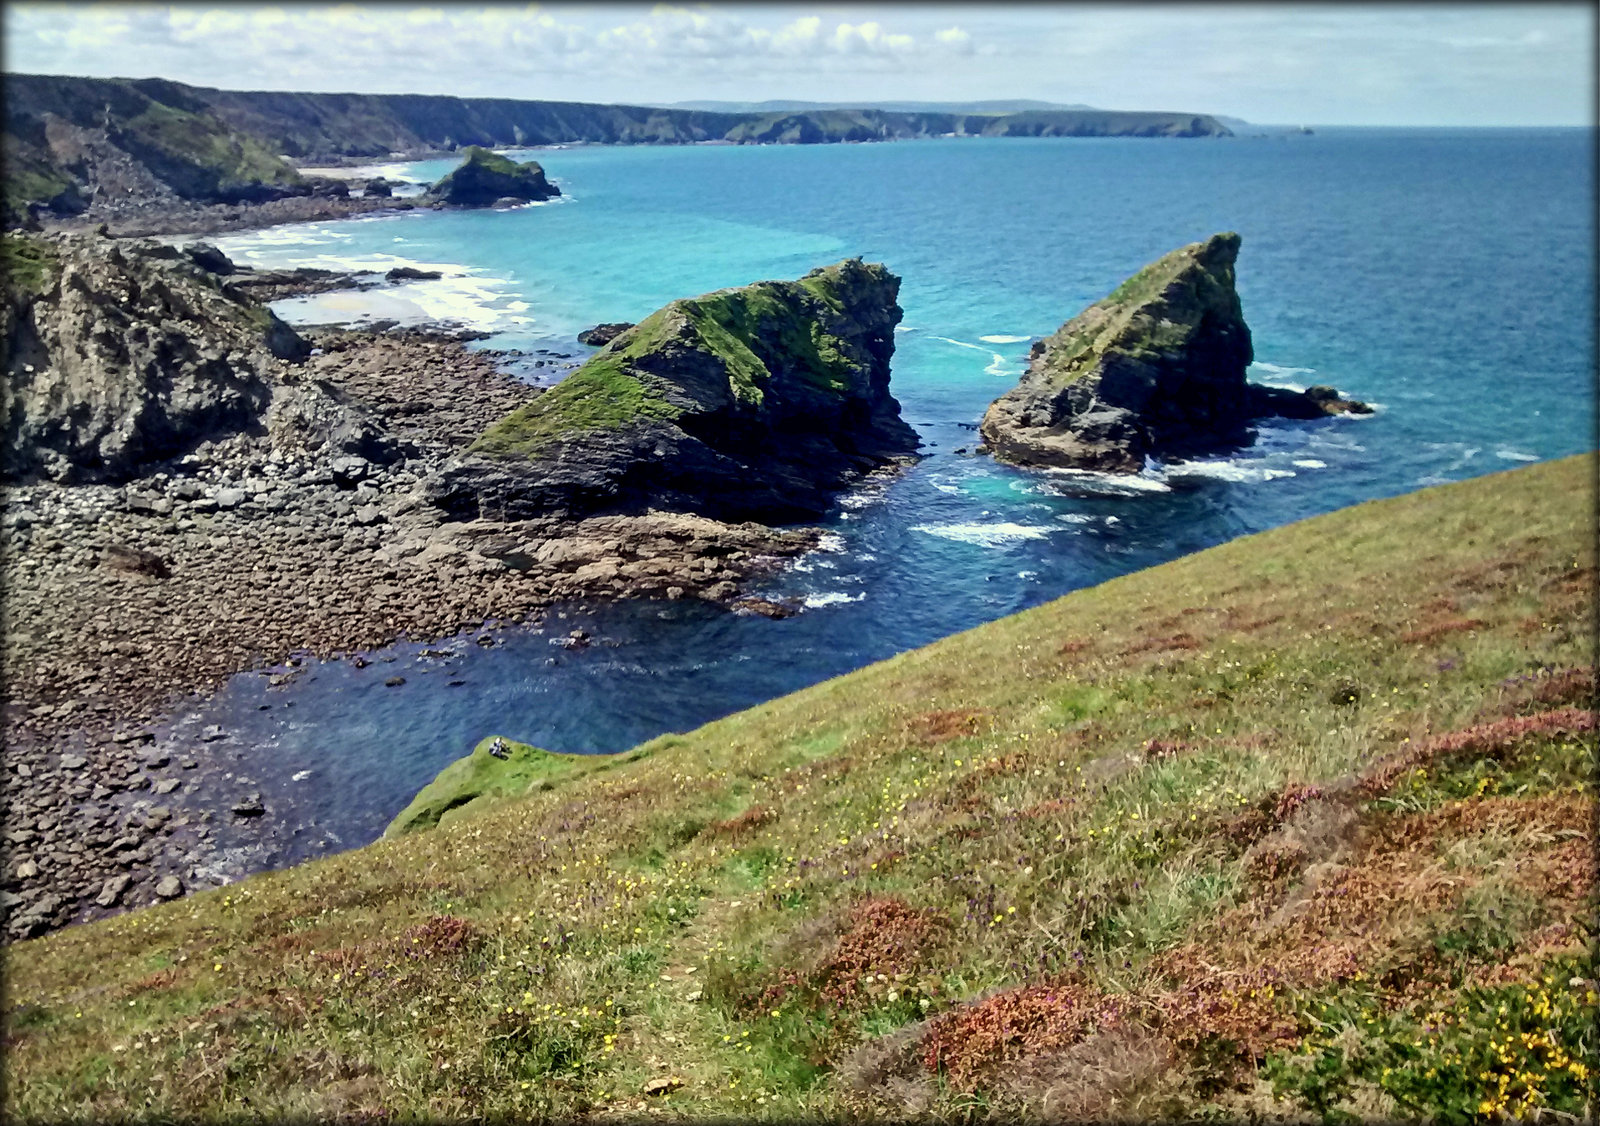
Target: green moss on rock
{"type": "Point", "coordinates": [479, 779]}
{"type": "Point", "coordinates": [1154, 311]}
{"type": "Point", "coordinates": [28, 265]}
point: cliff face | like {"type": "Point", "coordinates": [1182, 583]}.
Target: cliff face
{"type": "Point", "coordinates": [1156, 368]}
{"type": "Point", "coordinates": [750, 403]}
{"type": "Point", "coordinates": [121, 354]}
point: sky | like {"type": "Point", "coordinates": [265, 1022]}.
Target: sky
{"type": "Point", "coordinates": [1362, 64]}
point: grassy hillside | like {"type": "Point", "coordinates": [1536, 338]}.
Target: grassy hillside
{"type": "Point", "coordinates": [1299, 825]}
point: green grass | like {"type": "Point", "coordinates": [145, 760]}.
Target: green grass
{"type": "Point", "coordinates": [478, 779]}
{"type": "Point", "coordinates": [28, 265]}
{"type": "Point", "coordinates": [1113, 856]}
{"type": "Point", "coordinates": [216, 158]}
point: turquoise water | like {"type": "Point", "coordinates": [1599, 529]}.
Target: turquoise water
{"type": "Point", "coordinates": [1445, 275]}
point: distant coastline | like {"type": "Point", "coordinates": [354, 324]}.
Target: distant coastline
{"type": "Point", "coordinates": [94, 146]}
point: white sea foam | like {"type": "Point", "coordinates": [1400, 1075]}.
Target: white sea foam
{"type": "Point", "coordinates": [831, 598]}
{"type": "Point", "coordinates": [300, 776]}
{"type": "Point", "coordinates": [830, 541]}
{"type": "Point", "coordinates": [987, 535]}
{"type": "Point", "coordinates": [1076, 518]}
{"type": "Point", "coordinates": [1226, 471]}
{"type": "Point", "coordinates": [953, 490]}
{"type": "Point", "coordinates": [1089, 482]}
{"type": "Point", "coordinates": [1310, 463]}
{"type": "Point", "coordinates": [1004, 339]}
{"type": "Point", "coordinates": [1027, 574]}
{"type": "Point", "coordinates": [1506, 453]}
{"type": "Point", "coordinates": [998, 364]}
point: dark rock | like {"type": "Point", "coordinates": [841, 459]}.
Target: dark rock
{"type": "Point", "coordinates": [601, 335]}
{"type": "Point", "coordinates": [486, 178]}
{"type": "Point", "coordinates": [746, 404]}
{"type": "Point", "coordinates": [249, 807]}
{"type": "Point", "coordinates": [169, 887]}
{"type": "Point", "coordinates": [134, 560]}
{"type": "Point", "coordinates": [394, 682]}
{"type": "Point", "coordinates": [209, 258]}
{"type": "Point", "coordinates": [378, 188]}
{"type": "Point", "coordinates": [1314, 402]}
{"type": "Point", "coordinates": [411, 273]}
{"type": "Point", "coordinates": [1155, 369]}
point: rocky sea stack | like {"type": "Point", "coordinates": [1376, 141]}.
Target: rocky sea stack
{"type": "Point", "coordinates": [755, 403]}
{"type": "Point", "coordinates": [485, 178]}
{"type": "Point", "coordinates": [1155, 369]}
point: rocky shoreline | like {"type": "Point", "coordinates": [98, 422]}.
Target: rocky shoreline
{"type": "Point", "coordinates": [124, 599]}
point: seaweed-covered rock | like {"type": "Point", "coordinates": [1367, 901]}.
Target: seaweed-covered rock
{"type": "Point", "coordinates": [1155, 369]}
{"type": "Point", "coordinates": [486, 178]}
{"type": "Point", "coordinates": [119, 354]}
{"type": "Point", "coordinates": [755, 403]}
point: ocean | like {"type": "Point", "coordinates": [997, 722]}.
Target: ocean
{"type": "Point", "coordinates": [1445, 276]}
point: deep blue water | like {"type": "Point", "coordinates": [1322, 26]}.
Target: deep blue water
{"type": "Point", "coordinates": [1444, 275]}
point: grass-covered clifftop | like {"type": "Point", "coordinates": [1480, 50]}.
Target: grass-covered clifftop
{"type": "Point", "coordinates": [1309, 815]}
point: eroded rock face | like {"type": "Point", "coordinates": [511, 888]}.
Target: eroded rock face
{"type": "Point", "coordinates": [1155, 369]}
{"type": "Point", "coordinates": [120, 354]}
{"type": "Point", "coordinates": [755, 403]}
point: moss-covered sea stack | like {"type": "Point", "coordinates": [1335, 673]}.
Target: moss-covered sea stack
{"type": "Point", "coordinates": [755, 403]}
{"type": "Point", "coordinates": [1157, 368]}
{"type": "Point", "coordinates": [486, 177]}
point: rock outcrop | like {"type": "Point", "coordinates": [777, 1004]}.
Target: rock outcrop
{"type": "Point", "coordinates": [486, 178]}
{"type": "Point", "coordinates": [121, 354]}
{"type": "Point", "coordinates": [755, 403]}
{"type": "Point", "coordinates": [1155, 369]}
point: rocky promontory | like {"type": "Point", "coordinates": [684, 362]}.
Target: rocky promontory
{"type": "Point", "coordinates": [756, 403]}
{"type": "Point", "coordinates": [1155, 369]}
{"type": "Point", "coordinates": [486, 178]}
{"type": "Point", "coordinates": [118, 354]}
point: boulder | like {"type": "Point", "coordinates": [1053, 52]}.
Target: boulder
{"type": "Point", "coordinates": [411, 273]}
{"type": "Point", "coordinates": [1157, 369]}
{"type": "Point", "coordinates": [209, 258]}
{"type": "Point", "coordinates": [486, 178]}
{"type": "Point", "coordinates": [378, 188]}
{"type": "Point", "coordinates": [137, 561]}
{"type": "Point", "coordinates": [757, 403]}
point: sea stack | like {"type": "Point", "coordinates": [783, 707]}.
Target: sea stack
{"type": "Point", "coordinates": [756, 403]}
{"type": "Point", "coordinates": [1155, 369]}
{"type": "Point", "coordinates": [486, 178]}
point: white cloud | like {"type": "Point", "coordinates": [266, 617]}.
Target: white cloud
{"type": "Point", "coordinates": [1319, 64]}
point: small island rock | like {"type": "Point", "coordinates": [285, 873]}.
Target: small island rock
{"type": "Point", "coordinates": [486, 178]}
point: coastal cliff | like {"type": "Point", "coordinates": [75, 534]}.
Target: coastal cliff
{"type": "Point", "coordinates": [755, 403]}
{"type": "Point", "coordinates": [126, 149]}
{"type": "Point", "coordinates": [1155, 369]}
